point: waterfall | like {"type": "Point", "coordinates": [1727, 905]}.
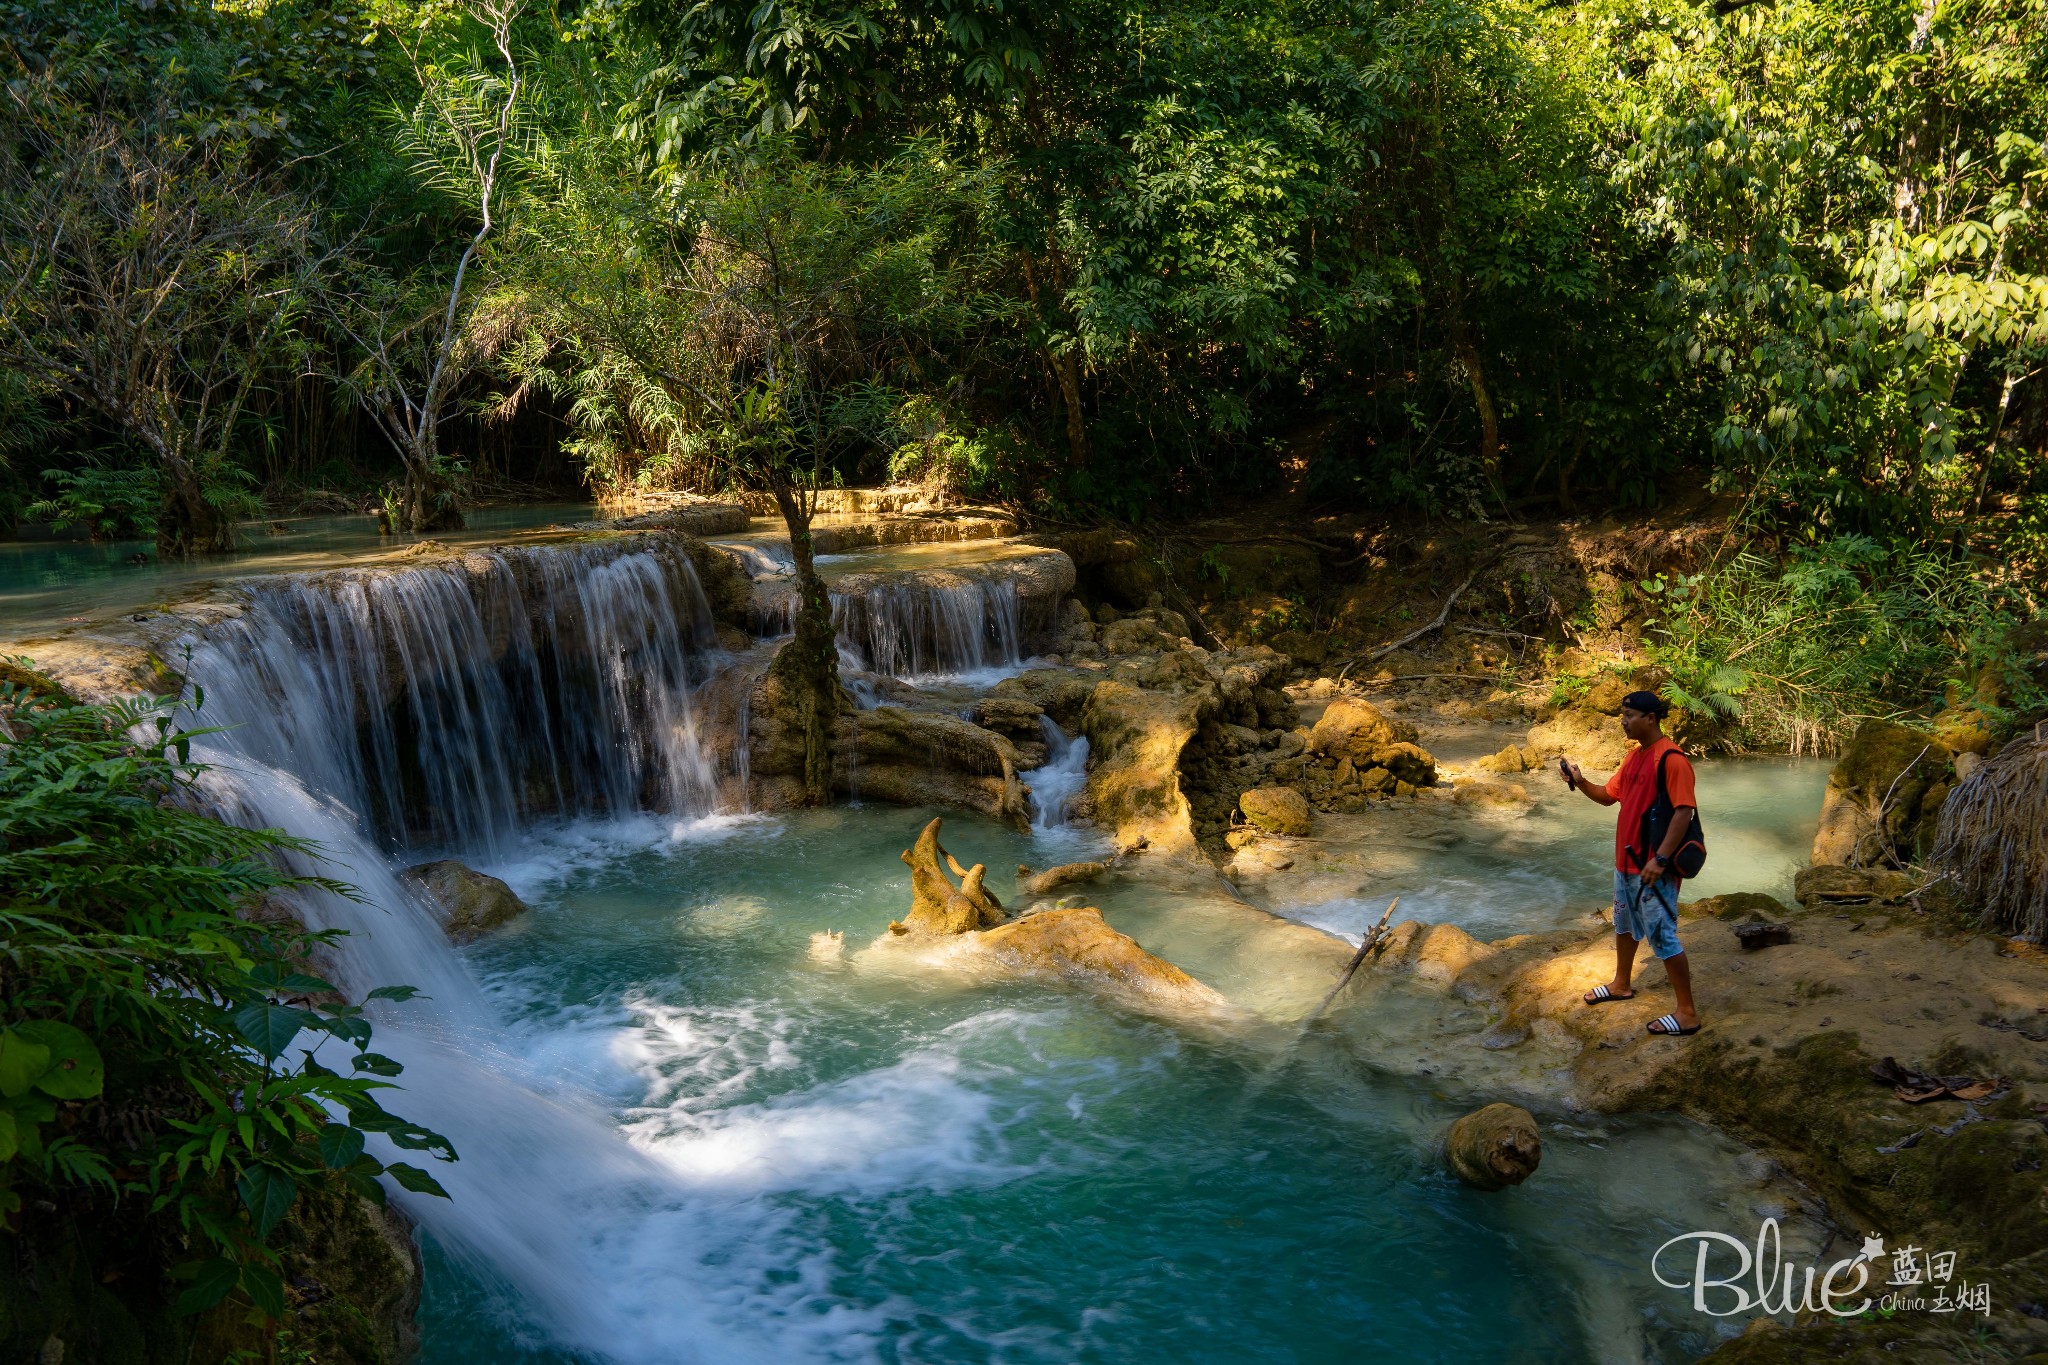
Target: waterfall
{"type": "Point", "coordinates": [370, 710]}
{"type": "Point", "coordinates": [447, 705]}
{"type": "Point", "coordinates": [1055, 785]}
{"type": "Point", "coordinates": [918, 629]}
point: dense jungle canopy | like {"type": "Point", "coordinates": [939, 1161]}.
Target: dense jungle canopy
{"type": "Point", "coordinates": [1446, 257]}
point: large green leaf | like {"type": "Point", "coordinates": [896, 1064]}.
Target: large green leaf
{"type": "Point", "coordinates": [211, 1282]}
{"type": "Point", "coordinates": [340, 1144]}
{"type": "Point", "coordinates": [414, 1179]}
{"type": "Point", "coordinates": [75, 1069]}
{"type": "Point", "coordinates": [264, 1288]}
{"type": "Point", "coordinates": [22, 1063]}
{"type": "Point", "coordinates": [7, 1144]}
{"type": "Point", "coordinates": [270, 1028]}
{"type": "Point", "coordinates": [268, 1194]}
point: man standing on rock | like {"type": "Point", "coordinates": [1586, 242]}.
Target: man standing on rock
{"type": "Point", "coordinates": [1645, 886]}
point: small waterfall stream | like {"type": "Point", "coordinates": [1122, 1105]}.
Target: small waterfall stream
{"type": "Point", "coordinates": [918, 631]}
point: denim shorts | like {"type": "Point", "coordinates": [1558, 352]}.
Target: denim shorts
{"type": "Point", "coordinates": [1650, 917]}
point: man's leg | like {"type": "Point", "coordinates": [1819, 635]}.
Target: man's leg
{"type": "Point", "coordinates": [1680, 973]}
{"type": "Point", "coordinates": [1624, 965]}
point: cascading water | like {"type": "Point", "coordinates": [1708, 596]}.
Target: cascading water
{"type": "Point", "coordinates": [920, 630]}
{"type": "Point", "coordinates": [1056, 783]}
{"type": "Point", "coordinates": [372, 710]}
{"type": "Point", "coordinates": [449, 704]}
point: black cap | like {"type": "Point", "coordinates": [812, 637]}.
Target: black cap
{"type": "Point", "coordinates": [1649, 703]}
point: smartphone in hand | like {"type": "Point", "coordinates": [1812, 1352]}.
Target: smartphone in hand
{"type": "Point", "coordinates": [1564, 770]}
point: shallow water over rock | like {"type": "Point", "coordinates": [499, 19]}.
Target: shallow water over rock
{"type": "Point", "coordinates": [861, 1163]}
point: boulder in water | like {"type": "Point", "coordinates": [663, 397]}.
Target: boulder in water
{"type": "Point", "coordinates": [1494, 1147]}
{"type": "Point", "coordinates": [1357, 730]}
{"type": "Point", "coordinates": [468, 903]}
{"type": "Point", "coordinates": [1277, 810]}
{"type": "Point", "coordinates": [1066, 874]}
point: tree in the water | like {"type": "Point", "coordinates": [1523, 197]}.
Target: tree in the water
{"type": "Point", "coordinates": [150, 282]}
{"type": "Point", "coordinates": [747, 315]}
{"type": "Point", "coordinates": [415, 331]}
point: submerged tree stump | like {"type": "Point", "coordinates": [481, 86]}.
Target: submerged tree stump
{"type": "Point", "coordinates": [937, 906]}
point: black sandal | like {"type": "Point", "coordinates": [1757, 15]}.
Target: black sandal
{"type": "Point", "coordinates": [1600, 995]}
{"type": "Point", "coordinates": [1666, 1026]}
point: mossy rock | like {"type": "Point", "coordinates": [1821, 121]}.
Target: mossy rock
{"type": "Point", "coordinates": [1737, 906]}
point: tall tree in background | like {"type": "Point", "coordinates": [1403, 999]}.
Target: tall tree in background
{"type": "Point", "coordinates": [414, 328]}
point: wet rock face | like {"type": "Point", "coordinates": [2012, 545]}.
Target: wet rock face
{"type": "Point", "coordinates": [1494, 1147]}
{"type": "Point", "coordinates": [1883, 797]}
{"type": "Point", "coordinates": [1277, 810]}
{"type": "Point", "coordinates": [1078, 944]}
{"type": "Point", "coordinates": [468, 903]}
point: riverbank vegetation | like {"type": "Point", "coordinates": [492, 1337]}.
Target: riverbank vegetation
{"type": "Point", "coordinates": [175, 1085]}
{"type": "Point", "coordinates": [1442, 261]}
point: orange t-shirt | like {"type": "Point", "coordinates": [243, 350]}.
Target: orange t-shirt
{"type": "Point", "coordinates": [1635, 786]}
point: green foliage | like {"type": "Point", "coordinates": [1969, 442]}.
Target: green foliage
{"type": "Point", "coordinates": [1798, 653]}
{"type": "Point", "coordinates": [153, 996]}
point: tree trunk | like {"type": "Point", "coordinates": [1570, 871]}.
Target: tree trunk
{"type": "Point", "coordinates": [809, 663]}
{"type": "Point", "coordinates": [1069, 371]}
{"type": "Point", "coordinates": [1489, 418]}
{"type": "Point", "coordinates": [427, 500]}
{"type": "Point", "coordinates": [186, 523]}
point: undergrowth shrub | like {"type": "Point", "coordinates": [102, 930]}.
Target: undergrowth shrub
{"type": "Point", "coordinates": [146, 1019]}
{"type": "Point", "coordinates": [1796, 654]}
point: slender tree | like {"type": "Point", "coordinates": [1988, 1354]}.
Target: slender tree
{"type": "Point", "coordinates": [414, 332]}
{"type": "Point", "coordinates": [749, 306]}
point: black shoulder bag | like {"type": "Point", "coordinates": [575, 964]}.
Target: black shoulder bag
{"type": "Point", "coordinates": [1689, 857]}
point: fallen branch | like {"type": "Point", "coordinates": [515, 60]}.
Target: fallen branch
{"type": "Point", "coordinates": [1374, 938]}
{"type": "Point", "coordinates": [1438, 624]}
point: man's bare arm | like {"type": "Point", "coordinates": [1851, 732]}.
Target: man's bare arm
{"type": "Point", "coordinates": [1593, 791]}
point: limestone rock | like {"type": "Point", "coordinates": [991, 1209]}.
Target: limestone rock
{"type": "Point", "coordinates": [1357, 730]}
{"type": "Point", "coordinates": [1408, 762]}
{"type": "Point", "coordinates": [1735, 905]}
{"type": "Point", "coordinates": [1016, 717]}
{"type": "Point", "coordinates": [887, 753]}
{"type": "Point", "coordinates": [1491, 794]}
{"type": "Point", "coordinates": [1136, 739]}
{"type": "Point", "coordinates": [1832, 884]}
{"type": "Point", "coordinates": [1066, 874]}
{"type": "Point", "coordinates": [1512, 759]}
{"type": "Point", "coordinates": [1494, 1147]}
{"type": "Point", "coordinates": [1875, 809]}
{"type": "Point", "coordinates": [1136, 635]}
{"type": "Point", "coordinates": [468, 903]}
{"type": "Point", "coordinates": [1077, 944]}
{"type": "Point", "coordinates": [1277, 810]}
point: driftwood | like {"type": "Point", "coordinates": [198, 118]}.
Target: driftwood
{"type": "Point", "coordinates": [1374, 939]}
{"type": "Point", "coordinates": [936, 905]}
